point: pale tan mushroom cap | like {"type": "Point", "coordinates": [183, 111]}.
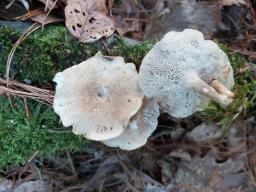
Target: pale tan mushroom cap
{"type": "Point", "coordinates": [169, 67]}
{"type": "Point", "coordinates": [98, 97]}
{"type": "Point", "coordinates": [141, 126]}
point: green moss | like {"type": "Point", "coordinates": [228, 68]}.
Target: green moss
{"type": "Point", "coordinates": [245, 95]}
{"type": "Point", "coordinates": [131, 53]}
{"type": "Point", "coordinates": [37, 59]}
{"type": "Point", "coordinates": [43, 53]}
{"type": "Point", "coordinates": [22, 136]}
{"type": "Point", "coordinates": [7, 38]}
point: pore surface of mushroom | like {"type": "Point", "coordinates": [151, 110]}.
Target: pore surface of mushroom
{"type": "Point", "coordinates": [98, 97]}
{"type": "Point", "coordinates": [141, 126]}
{"type": "Point", "coordinates": [184, 72]}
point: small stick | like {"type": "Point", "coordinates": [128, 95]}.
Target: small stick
{"type": "Point", "coordinates": [28, 115]}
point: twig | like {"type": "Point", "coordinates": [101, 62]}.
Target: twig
{"type": "Point", "coordinates": [33, 156]}
{"type": "Point", "coordinates": [26, 91]}
{"type": "Point", "coordinates": [48, 12]}
{"type": "Point", "coordinates": [28, 115]}
{"type": "Point", "coordinates": [31, 29]}
{"type": "Point", "coordinates": [71, 162]}
{"type": "Point", "coordinates": [9, 4]}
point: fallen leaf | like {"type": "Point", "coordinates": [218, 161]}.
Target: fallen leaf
{"type": "Point", "coordinates": [233, 2]}
{"type": "Point", "coordinates": [130, 15]}
{"type": "Point", "coordinates": [87, 20]}
{"type": "Point", "coordinates": [167, 171]}
{"type": "Point", "coordinates": [185, 14]}
{"type": "Point", "coordinates": [205, 132]}
{"type": "Point", "coordinates": [206, 174]}
{"type": "Point", "coordinates": [124, 26]}
{"type": "Point", "coordinates": [27, 186]}
{"type": "Point", "coordinates": [38, 186]}
{"type": "Point", "coordinates": [99, 5]}
{"type": "Point", "coordinates": [119, 169]}
{"type": "Point", "coordinates": [180, 154]}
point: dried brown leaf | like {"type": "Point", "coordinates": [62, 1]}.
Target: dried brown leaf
{"type": "Point", "coordinates": [205, 174]}
{"type": "Point", "coordinates": [127, 16]}
{"type": "Point", "coordinates": [252, 152]}
{"type": "Point", "coordinates": [179, 15]}
{"type": "Point", "coordinates": [232, 2]}
{"type": "Point", "coordinates": [124, 26]}
{"type": "Point", "coordinates": [207, 131]}
{"type": "Point", "coordinates": [87, 20]}
{"type": "Point", "coordinates": [99, 5]}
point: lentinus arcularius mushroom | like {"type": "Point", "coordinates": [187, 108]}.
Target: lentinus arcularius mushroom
{"type": "Point", "coordinates": [139, 129]}
{"type": "Point", "coordinates": [98, 97]}
{"type": "Point", "coordinates": [184, 72]}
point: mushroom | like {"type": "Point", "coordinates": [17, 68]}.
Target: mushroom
{"type": "Point", "coordinates": [184, 72]}
{"type": "Point", "coordinates": [141, 126]}
{"type": "Point", "coordinates": [98, 97]}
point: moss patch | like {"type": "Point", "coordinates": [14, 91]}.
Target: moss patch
{"type": "Point", "coordinates": [43, 53]}
{"type": "Point", "coordinates": [37, 60]}
{"type": "Point", "coordinates": [7, 38]}
{"type": "Point", "coordinates": [131, 53]}
{"type": "Point", "coordinates": [22, 136]}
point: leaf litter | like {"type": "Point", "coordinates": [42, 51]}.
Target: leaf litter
{"type": "Point", "coordinates": [87, 20]}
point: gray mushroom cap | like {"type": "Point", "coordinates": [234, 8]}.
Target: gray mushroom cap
{"type": "Point", "coordinates": [178, 72]}
{"type": "Point", "coordinates": [141, 126]}
{"type": "Point", "coordinates": [98, 97]}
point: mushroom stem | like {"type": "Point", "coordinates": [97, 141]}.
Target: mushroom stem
{"type": "Point", "coordinates": [219, 87]}
{"type": "Point", "coordinates": [201, 86]}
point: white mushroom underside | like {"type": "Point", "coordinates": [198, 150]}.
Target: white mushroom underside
{"type": "Point", "coordinates": [167, 68]}
{"type": "Point", "coordinates": [98, 97]}
{"type": "Point", "coordinates": [141, 126]}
